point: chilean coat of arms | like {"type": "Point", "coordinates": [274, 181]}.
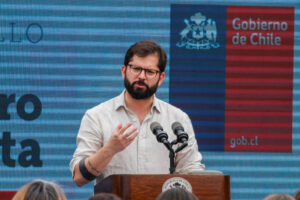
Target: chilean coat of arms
{"type": "Point", "coordinates": [199, 33]}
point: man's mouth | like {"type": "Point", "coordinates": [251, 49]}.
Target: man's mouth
{"type": "Point", "coordinates": [140, 85]}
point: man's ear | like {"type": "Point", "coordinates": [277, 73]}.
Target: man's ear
{"type": "Point", "coordinates": [161, 78]}
{"type": "Point", "coordinates": [123, 71]}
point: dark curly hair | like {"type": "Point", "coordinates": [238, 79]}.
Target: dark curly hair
{"type": "Point", "coordinates": [145, 48]}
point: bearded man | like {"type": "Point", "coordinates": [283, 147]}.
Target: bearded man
{"type": "Point", "coordinates": [115, 136]}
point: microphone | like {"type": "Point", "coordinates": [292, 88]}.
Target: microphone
{"type": "Point", "coordinates": [158, 131]}
{"type": "Point", "coordinates": [179, 132]}
{"type": "Point", "coordinates": [162, 137]}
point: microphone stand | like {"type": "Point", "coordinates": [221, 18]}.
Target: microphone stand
{"type": "Point", "coordinates": [162, 137]}
{"type": "Point", "coordinates": [171, 156]}
{"type": "Point", "coordinates": [172, 152]}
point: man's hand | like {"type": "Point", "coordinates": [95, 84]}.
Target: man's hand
{"type": "Point", "coordinates": [121, 138]}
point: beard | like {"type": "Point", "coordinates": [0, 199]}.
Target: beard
{"type": "Point", "coordinates": [140, 93]}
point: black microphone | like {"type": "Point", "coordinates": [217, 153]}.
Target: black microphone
{"type": "Point", "coordinates": [157, 130]}
{"type": "Point", "coordinates": [179, 132]}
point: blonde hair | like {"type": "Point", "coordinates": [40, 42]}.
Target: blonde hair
{"type": "Point", "coordinates": [40, 190]}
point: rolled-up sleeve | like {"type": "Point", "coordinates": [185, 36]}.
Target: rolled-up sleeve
{"type": "Point", "coordinates": [89, 139]}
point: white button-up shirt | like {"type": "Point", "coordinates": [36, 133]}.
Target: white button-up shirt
{"type": "Point", "coordinates": [145, 155]}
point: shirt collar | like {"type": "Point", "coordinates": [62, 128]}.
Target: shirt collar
{"type": "Point", "coordinates": [155, 104]}
{"type": "Point", "coordinates": [120, 102]}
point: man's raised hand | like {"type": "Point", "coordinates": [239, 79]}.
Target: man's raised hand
{"type": "Point", "coordinates": [121, 137]}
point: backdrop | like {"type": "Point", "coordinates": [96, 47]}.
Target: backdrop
{"type": "Point", "coordinates": [232, 66]}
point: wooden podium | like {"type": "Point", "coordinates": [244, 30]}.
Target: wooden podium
{"type": "Point", "coordinates": [148, 187]}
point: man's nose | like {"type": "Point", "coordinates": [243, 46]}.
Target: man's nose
{"type": "Point", "coordinates": [142, 75]}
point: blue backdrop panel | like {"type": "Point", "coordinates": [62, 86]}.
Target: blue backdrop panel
{"type": "Point", "coordinates": [197, 71]}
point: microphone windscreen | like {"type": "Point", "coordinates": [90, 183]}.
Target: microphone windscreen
{"type": "Point", "coordinates": [155, 125]}
{"type": "Point", "coordinates": [176, 125]}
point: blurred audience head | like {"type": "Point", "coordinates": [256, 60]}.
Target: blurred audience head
{"type": "Point", "coordinates": [40, 190]}
{"type": "Point", "coordinates": [297, 195]}
{"type": "Point", "coordinates": [104, 196]}
{"type": "Point", "coordinates": [279, 197]}
{"type": "Point", "coordinates": [176, 194]}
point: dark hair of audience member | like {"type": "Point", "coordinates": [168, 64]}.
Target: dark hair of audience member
{"type": "Point", "coordinates": [104, 196]}
{"type": "Point", "coordinates": [297, 195]}
{"type": "Point", "coordinates": [279, 197]}
{"type": "Point", "coordinates": [176, 193]}
{"type": "Point", "coordinates": [40, 190]}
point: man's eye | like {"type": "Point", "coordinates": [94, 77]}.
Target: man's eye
{"type": "Point", "coordinates": [137, 68]}
{"type": "Point", "coordinates": [150, 72]}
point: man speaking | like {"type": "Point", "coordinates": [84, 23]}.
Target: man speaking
{"type": "Point", "coordinates": [115, 136]}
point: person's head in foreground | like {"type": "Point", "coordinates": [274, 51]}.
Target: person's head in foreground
{"type": "Point", "coordinates": [104, 196]}
{"type": "Point", "coordinates": [40, 190]}
{"type": "Point", "coordinates": [176, 193]}
{"type": "Point", "coordinates": [279, 197]}
{"type": "Point", "coordinates": [297, 195]}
